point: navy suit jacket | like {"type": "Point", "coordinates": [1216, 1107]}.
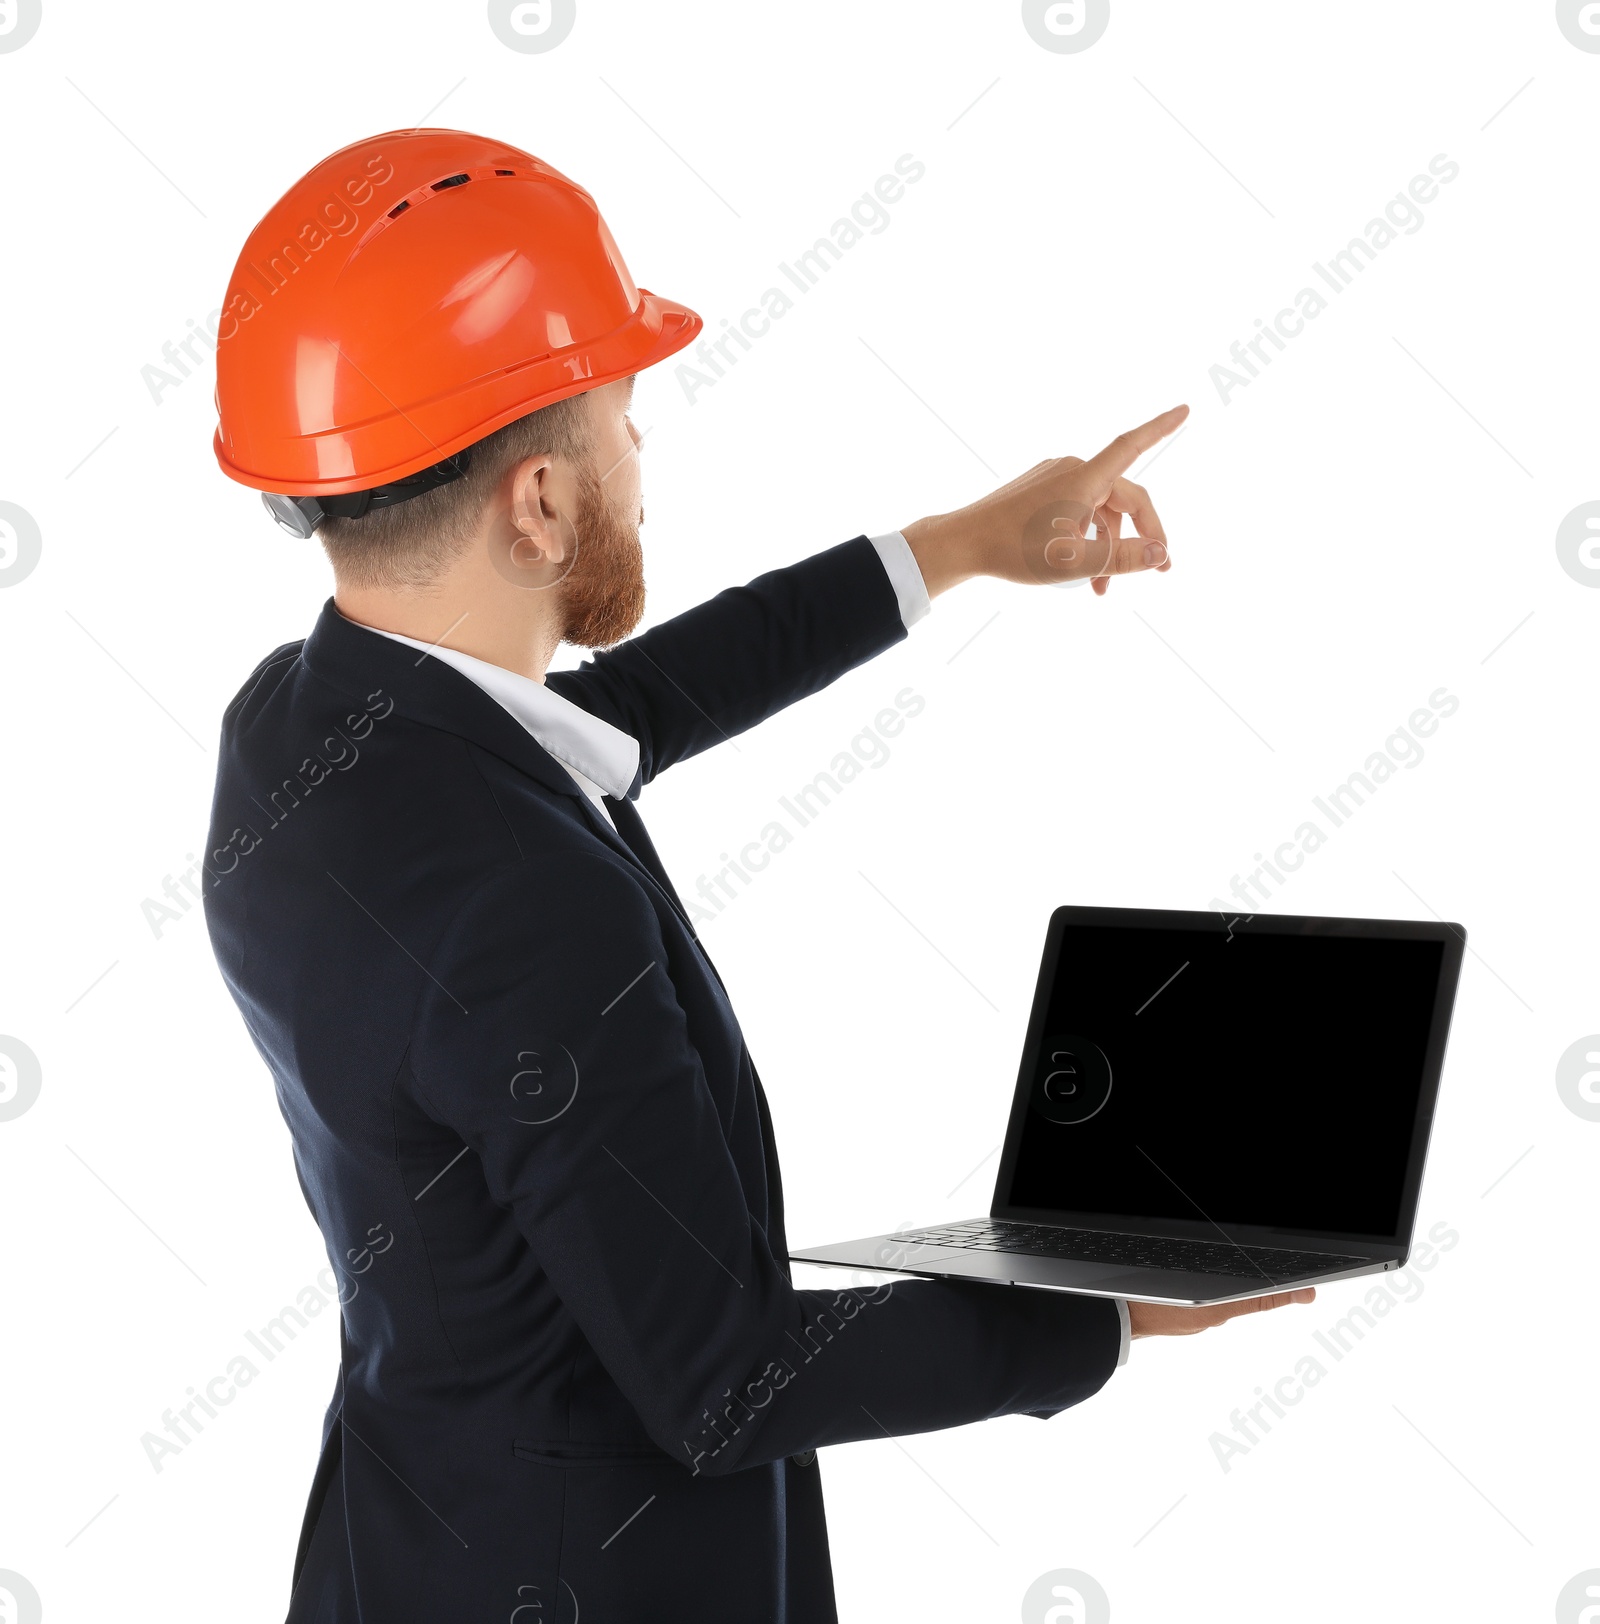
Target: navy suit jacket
{"type": "Point", "coordinates": [574, 1375]}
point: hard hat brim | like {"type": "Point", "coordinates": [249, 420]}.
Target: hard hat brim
{"type": "Point", "coordinates": [657, 329]}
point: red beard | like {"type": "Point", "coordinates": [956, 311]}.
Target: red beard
{"type": "Point", "coordinates": [602, 595]}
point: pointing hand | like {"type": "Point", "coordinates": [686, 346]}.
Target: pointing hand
{"type": "Point", "coordinates": [1059, 522]}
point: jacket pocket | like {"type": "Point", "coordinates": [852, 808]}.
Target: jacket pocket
{"type": "Point", "coordinates": [591, 1454]}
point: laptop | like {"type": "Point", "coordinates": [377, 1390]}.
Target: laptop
{"type": "Point", "coordinates": [1209, 1108]}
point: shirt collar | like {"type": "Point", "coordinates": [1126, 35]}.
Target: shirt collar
{"type": "Point", "coordinates": [581, 742]}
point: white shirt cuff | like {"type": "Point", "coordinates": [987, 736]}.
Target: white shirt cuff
{"type": "Point", "coordinates": [900, 565]}
{"type": "Point", "coordinates": [1127, 1331]}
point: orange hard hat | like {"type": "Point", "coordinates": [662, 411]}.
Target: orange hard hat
{"type": "Point", "coordinates": [408, 296]}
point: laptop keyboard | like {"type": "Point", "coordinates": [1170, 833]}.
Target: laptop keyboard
{"type": "Point", "coordinates": [1136, 1251]}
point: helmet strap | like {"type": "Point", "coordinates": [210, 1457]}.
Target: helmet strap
{"type": "Point", "coordinates": [300, 515]}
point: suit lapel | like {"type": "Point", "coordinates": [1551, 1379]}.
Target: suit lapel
{"type": "Point", "coordinates": [369, 668]}
{"type": "Point", "coordinates": [628, 836]}
{"type": "Point", "coordinates": [631, 830]}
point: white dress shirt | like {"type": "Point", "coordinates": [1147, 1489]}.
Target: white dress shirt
{"type": "Point", "coordinates": [603, 760]}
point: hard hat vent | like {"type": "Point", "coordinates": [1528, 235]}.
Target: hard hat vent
{"type": "Point", "coordinates": [440, 186]}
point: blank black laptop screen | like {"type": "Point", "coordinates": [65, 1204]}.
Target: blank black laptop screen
{"type": "Point", "coordinates": [1254, 1078]}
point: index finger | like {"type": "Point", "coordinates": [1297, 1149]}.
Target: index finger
{"type": "Point", "coordinates": [1128, 447]}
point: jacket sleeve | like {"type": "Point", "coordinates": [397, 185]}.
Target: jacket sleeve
{"type": "Point", "coordinates": [620, 1178]}
{"type": "Point", "coordinates": [720, 668]}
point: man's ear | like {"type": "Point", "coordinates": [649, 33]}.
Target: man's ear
{"type": "Point", "coordinates": [532, 540]}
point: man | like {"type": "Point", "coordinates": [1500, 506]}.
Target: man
{"type": "Point", "coordinates": [575, 1374]}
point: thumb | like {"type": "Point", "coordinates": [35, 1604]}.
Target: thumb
{"type": "Point", "coordinates": [1131, 554]}
{"type": "Point", "coordinates": [1278, 1299]}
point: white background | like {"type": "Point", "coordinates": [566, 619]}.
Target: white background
{"type": "Point", "coordinates": [1370, 520]}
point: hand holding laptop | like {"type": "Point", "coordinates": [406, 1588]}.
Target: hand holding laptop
{"type": "Point", "coordinates": [1162, 1319]}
